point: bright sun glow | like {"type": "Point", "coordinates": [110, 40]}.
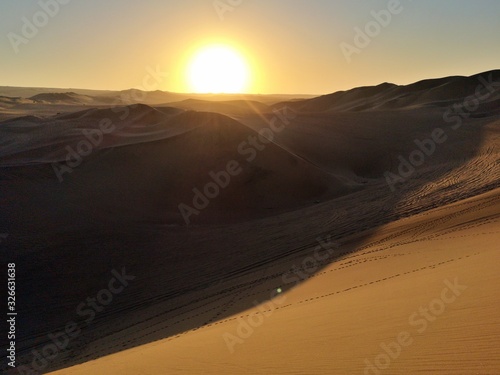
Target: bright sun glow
{"type": "Point", "coordinates": [218, 69]}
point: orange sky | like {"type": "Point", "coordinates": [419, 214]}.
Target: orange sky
{"type": "Point", "coordinates": [292, 46]}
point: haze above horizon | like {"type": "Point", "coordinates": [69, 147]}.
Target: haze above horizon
{"type": "Point", "coordinates": [300, 47]}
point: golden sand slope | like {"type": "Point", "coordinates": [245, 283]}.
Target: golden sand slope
{"type": "Point", "coordinates": [345, 314]}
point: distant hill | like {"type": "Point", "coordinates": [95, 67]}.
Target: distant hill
{"type": "Point", "coordinates": [436, 92]}
{"type": "Point", "coordinates": [62, 98]}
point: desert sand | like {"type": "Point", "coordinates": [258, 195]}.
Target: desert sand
{"type": "Point", "coordinates": [311, 259]}
{"type": "Point", "coordinates": [344, 314]}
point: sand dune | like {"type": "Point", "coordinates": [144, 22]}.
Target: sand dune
{"type": "Point", "coordinates": [341, 319]}
{"type": "Point", "coordinates": [232, 107]}
{"type": "Point", "coordinates": [8, 102]}
{"type": "Point", "coordinates": [62, 98]}
{"type": "Point", "coordinates": [438, 92]}
{"type": "Point", "coordinates": [20, 101]}
{"type": "Point", "coordinates": [308, 196]}
{"type": "Point", "coordinates": [146, 144]}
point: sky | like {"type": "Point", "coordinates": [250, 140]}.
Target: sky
{"type": "Point", "coordinates": [290, 46]}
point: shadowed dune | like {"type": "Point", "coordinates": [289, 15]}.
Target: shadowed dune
{"type": "Point", "coordinates": [173, 154]}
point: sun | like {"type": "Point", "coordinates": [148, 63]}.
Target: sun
{"type": "Point", "coordinates": [218, 69]}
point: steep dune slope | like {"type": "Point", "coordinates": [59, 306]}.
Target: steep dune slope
{"type": "Point", "coordinates": [419, 293]}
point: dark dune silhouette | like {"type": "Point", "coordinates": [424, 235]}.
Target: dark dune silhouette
{"type": "Point", "coordinates": [438, 92]}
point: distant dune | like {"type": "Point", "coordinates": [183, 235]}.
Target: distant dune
{"type": "Point", "coordinates": [438, 92]}
{"type": "Point", "coordinates": [8, 102]}
{"type": "Point", "coordinates": [62, 98]}
{"type": "Point", "coordinates": [50, 101]}
{"type": "Point", "coordinates": [232, 107]}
